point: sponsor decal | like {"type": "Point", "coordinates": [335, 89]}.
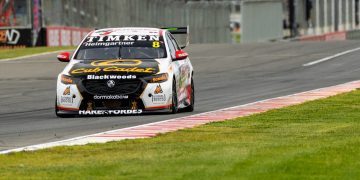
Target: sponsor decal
{"type": "Point", "coordinates": [122, 38]}
{"type": "Point", "coordinates": [158, 98]}
{"type": "Point", "coordinates": [10, 36]}
{"type": "Point", "coordinates": [158, 89]}
{"type": "Point", "coordinates": [156, 44]}
{"type": "Point", "coordinates": [134, 105]}
{"type": "Point", "coordinates": [3, 37]}
{"type": "Point", "coordinates": [184, 75]}
{"type": "Point", "coordinates": [111, 97]}
{"type": "Point", "coordinates": [16, 38]}
{"type": "Point", "coordinates": [116, 66]}
{"type": "Point", "coordinates": [113, 69]}
{"type": "Point", "coordinates": [110, 112]}
{"type": "Point", "coordinates": [66, 91]}
{"type": "Point", "coordinates": [92, 44]}
{"type": "Point", "coordinates": [117, 62]}
{"type": "Point", "coordinates": [110, 83]}
{"type": "Point", "coordinates": [89, 106]}
{"type": "Point", "coordinates": [95, 77]}
{"type": "Point", "coordinates": [66, 98]}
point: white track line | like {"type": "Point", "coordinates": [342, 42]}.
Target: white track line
{"type": "Point", "coordinates": [331, 57]}
{"type": "Point", "coordinates": [33, 55]}
{"type": "Point", "coordinates": [68, 141]}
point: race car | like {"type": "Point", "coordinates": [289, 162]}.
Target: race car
{"type": "Point", "coordinates": [126, 71]}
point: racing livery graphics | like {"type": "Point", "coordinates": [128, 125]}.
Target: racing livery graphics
{"type": "Point", "coordinates": [126, 71]}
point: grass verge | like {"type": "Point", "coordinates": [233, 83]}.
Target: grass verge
{"type": "Point", "coordinates": [318, 139]}
{"type": "Point", "coordinates": [18, 52]}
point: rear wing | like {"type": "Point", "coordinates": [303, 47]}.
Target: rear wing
{"type": "Point", "coordinates": [180, 30]}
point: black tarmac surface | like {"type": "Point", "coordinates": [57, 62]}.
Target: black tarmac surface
{"type": "Point", "coordinates": [225, 76]}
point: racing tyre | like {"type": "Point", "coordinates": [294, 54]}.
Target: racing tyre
{"type": "Point", "coordinates": [174, 106]}
{"type": "Point", "coordinates": [190, 108]}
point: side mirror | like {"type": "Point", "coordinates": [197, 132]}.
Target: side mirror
{"type": "Point", "coordinates": [64, 57]}
{"type": "Point", "coordinates": [180, 55]}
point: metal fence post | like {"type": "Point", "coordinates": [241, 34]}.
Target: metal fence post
{"type": "Point", "coordinates": [317, 13]}
{"type": "Point", "coordinates": [332, 15]}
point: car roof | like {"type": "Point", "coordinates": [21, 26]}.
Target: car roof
{"type": "Point", "coordinates": [127, 31]}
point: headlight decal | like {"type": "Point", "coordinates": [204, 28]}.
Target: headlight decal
{"type": "Point", "coordinates": [159, 78]}
{"type": "Point", "coordinates": [66, 79]}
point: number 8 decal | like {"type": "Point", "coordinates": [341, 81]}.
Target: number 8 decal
{"type": "Point", "coordinates": [156, 44]}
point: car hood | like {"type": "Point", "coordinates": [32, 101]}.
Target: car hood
{"type": "Point", "coordinates": [115, 67]}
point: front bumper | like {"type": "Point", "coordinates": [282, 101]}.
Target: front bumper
{"type": "Point", "coordinates": [62, 111]}
{"type": "Point", "coordinates": [85, 98]}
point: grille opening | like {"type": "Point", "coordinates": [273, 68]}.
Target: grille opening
{"type": "Point", "coordinates": [100, 87]}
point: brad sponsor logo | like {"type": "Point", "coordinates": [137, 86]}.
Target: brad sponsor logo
{"type": "Point", "coordinates": [119, 77]}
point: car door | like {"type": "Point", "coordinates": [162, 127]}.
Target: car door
{"type": "Point", "coordinates": [183, 75]}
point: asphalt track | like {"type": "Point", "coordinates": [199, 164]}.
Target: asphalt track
{"type": "Point", "coordinates": [225, 75]}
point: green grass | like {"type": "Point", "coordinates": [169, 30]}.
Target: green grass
{"type": "Point", "coordinates": [315, 140]}
{"type": "Point", "coordinates": [18, 52]}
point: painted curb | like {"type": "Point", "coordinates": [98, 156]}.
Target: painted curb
{"type": "Point", "coordinates": [153, 129]}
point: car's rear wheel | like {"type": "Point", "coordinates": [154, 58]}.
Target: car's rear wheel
{"type": "Point", "coordinates": [174, 106]}
{"type": "Point", "coordinates": [190, 108]}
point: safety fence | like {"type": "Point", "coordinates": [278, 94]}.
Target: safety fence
{"type": "Point", "coordinates": [301, 19]}
{"type": "Point", "coordinates": [64, 22]}
{"type": "Point", "coordinates": [208, 21]}
{"type": "Point", "coordinates": [65, 36]}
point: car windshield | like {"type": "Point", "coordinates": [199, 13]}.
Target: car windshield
{"type": "Point", "coordinates": [136, 49]}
